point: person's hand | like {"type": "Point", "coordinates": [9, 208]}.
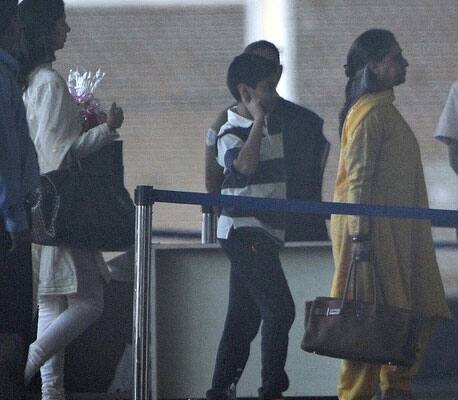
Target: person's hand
{"type": "Point", "coordinates": [360, 251]}
{"type": "Point", "coordinates": [253, 105]}
{"type": "Point", "coordinates": [101, 117]}
{"type": "Point", "coordinates": [18, 239]}
{"type": "Point", "coordinates": [115, 117]}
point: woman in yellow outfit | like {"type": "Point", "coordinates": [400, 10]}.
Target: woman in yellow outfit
{"type": "Point", "coordinates": [380, 164]}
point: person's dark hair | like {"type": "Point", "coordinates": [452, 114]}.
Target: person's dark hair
{"type": "Point", "coordinates": [263, 46]}
{"type": "Point", "coordinates": [372, 45]}
{"type": "Point", "coordinates": [38, 19]}
{"type": "Point", "coordinates": [249, 69]}
{"type": "Point", "coordinates": [7, 12]}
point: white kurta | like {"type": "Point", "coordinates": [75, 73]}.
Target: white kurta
{"type": "Point", "coordinates": [55, 127]}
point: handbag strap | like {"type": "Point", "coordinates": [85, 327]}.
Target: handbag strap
{"type": "Point", "coordinates": [351, 282]}
{"type": "Point", "coordinates": [378, 287]}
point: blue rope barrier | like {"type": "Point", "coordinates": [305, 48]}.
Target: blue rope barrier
{"type": "Point", "coordinates": [438, 217]}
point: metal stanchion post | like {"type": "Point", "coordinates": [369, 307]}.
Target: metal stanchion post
{"type": "Point", "coordinates": [142, 308]}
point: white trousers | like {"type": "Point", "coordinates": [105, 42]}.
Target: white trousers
{"type": "Point", "coordinates": [61, 319]}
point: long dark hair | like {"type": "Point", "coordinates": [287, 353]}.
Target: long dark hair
{"type": "Point", "coordinates": [372, 45]}
{"type": "Point", "coordinates": [38, 20]}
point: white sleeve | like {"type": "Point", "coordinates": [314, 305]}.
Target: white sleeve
{"type": "Point", "coordinates": [54, 123]}
{"type": "Point", "coordinates": [57, 126]}
{"type": "Point", "coordinates": [226, 143]}
{"type": "Point", "coordinates": [447, 127]}
{"type": "Point", "coordinates": [92, 140]}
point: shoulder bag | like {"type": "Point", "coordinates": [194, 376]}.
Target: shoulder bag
{"type": "Point", "coordinates": [86, 206]}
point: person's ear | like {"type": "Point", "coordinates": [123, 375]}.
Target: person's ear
{"type": "Point", "coordinates": [244, 90]}
{"type": "Point", "coordinates": [374, 67]}
{"type": "Point", "coordinates": [370, 79]}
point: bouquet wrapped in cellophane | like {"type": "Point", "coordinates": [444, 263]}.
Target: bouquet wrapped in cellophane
{"type": "Point", "coordinates": [82, 85]}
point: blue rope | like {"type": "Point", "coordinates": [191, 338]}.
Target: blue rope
{"type": "Point", "coordinates": [442, 218]}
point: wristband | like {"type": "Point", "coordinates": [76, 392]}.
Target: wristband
{"type": "Point", "coordinates": [210, 139]}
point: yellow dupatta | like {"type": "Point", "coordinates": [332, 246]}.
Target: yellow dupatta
{"type": "Point", "coordinates": [354, 117]}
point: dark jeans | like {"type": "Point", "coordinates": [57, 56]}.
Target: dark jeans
{"type": "Point", "coordinates": [15, 315]}
{"type": "Point", "coordinates": [258, 291]}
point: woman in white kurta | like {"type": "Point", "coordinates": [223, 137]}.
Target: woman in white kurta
{"type": "Point", "coordinates": [70, 288]}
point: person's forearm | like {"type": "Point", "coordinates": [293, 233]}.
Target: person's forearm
{"type": "Point", "coordinates": [93, 140]}
{"type": "Point", "coordinates": [248, 158]}
{"type": "Point", "coordinates": [213, 171]}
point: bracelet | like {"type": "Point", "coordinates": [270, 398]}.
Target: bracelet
{"type": "Point", "coordinates": [210, 139]}
{"type": "Point", "coordinates": [360, 238]}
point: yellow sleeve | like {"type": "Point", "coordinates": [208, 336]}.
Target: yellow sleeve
{"type": "Point", "coordinates": [361, 163]}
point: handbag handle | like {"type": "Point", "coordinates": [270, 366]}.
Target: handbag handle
{"type": "Point", "coordinates": [377, 286]}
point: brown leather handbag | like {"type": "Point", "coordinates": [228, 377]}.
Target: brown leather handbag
{"type": "Point", "coordinates": [371, 332]}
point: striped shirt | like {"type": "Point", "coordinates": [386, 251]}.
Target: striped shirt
{"type": "Point", "coordinates": [268, 181]}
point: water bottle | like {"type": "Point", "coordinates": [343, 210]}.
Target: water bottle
{"type": "Point", "coordinates": [208, 225]}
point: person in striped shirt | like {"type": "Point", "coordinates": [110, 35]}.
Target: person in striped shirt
{"type": "Point", "coordinates": [251, 153]}
{"type": "Point", "coordinates": [304, 145]}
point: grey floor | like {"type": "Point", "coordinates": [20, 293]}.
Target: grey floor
{"type": "Point", "coordinates": [448, 262]}
{"type": "Point", "coordinates": [438, 396]}
{"type": "Point", "coordinates": [432, 394]}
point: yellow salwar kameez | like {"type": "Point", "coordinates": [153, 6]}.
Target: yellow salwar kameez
{"type": "Point", "coordinates": [380, 164]}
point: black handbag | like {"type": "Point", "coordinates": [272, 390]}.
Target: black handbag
{"type": "Point", "coordinates": [86, 206]}
{"type": "Point", "coordinates": [371, 332]}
